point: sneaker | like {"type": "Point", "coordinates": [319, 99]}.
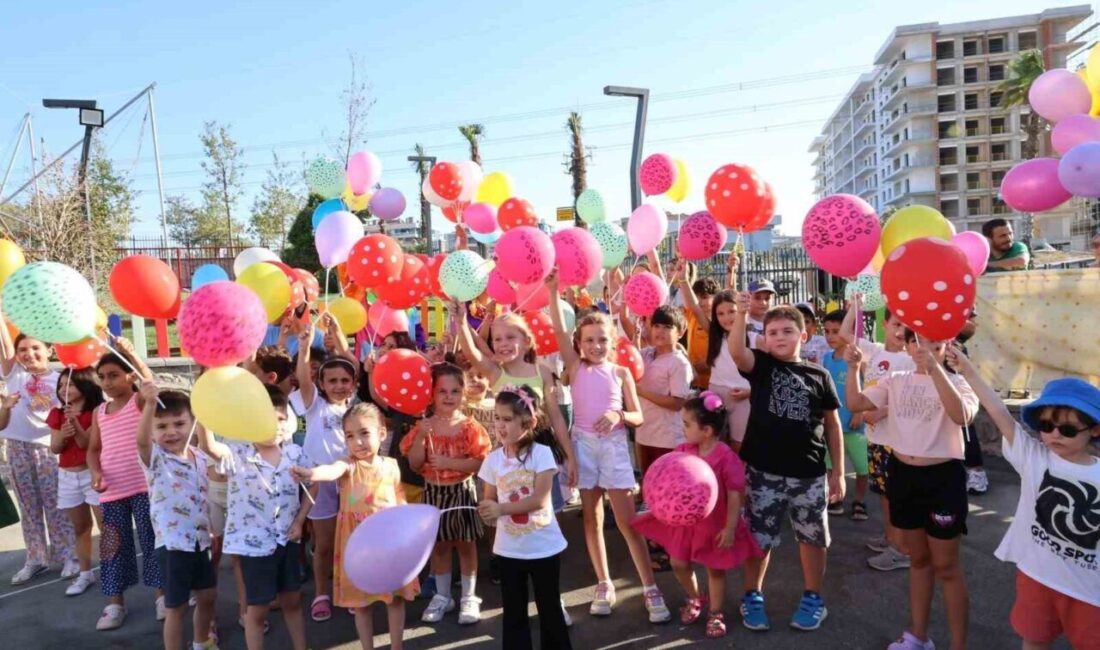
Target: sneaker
{"type": "Point", "coordinates": [977, 482]}
{"type": "Point", "coordinates": [27, 573]}
{"type": "Point", "coordinates": [910, 642]}
{"type": "Point", "coordinates": [162, 612]}
{"type": "Point", "coordinates": [71, 569]}
{"type": "Point", "coordinates": [211, 644]}
{"type": "Point", "coordinates": [859, 511]}
{"type": "Point", "coordinates": [81, 584]}
{"type": "Point", "coordinates": [889, 560]}
{"type": "Point", "coordinates": [753, 615]}
{"type": "Point", "coordinates": [811, 613]}
{"type": "Point", "coordinates": [877, 544]}
{"type": "Point", "coordinates": [469, 610]}
{"type": "Point", "coordinates": [655, 605]}
{"type": "Point", "coordinates": [112, 618]}
{"type": "Point", "coordinates": [603, 600]}
{"type": "Point", "coordinates": [439, 606]}
{"type": "Point", "coordinates": [565, 615]}
{"type": "Point", "coordinates": [836, 508]}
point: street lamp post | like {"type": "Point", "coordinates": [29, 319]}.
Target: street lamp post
{"type": "Point", "coordinates": [642, 95]}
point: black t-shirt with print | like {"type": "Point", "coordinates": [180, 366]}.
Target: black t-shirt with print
{"type": "Point", "coordinates": [786, 431]}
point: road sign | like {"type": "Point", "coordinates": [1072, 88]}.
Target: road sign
{"type": "Point", "coordinates": [565, 214]}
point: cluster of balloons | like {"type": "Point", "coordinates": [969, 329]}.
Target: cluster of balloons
{"type": "Point", "coordinates": [660, 173]}
{"type": "Point", "coordinates": [352, 189]}
{"type": "Point", "coordinates": [1071, 103]}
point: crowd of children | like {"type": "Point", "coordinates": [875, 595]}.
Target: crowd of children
{"type": "Point", "coordinates": [777, 411]}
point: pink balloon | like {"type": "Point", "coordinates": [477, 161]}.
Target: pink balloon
{"type": "Point", "coordinates": [384, 320]}
{"type": "Point", "coordinates": [336, 236]}
{"type": "Point", "coordinates": [841, 234]}
{"type": "Point", "coordinates": [657, 174]}
{"type": "Point", "coordinates": [1074, 130]}
{"type": "Point", "coordinates": [499, 290]}
{"type": "Point", "coordinates": [387, 204]}
{"type": "Point", "coordinates": [530, 297]}
{"type": "Point", "coordinates": [222, 323]}
{"type": "Point", "coordinates": [976, 248]}
{"type": "Point", "coordinates": [524, 255]}
{"type": "Point", "coordinates": [1079, 170]}
{"type": "Point", "coordinates": [578, 256]}
{"type": "Point", "coordinates": [647, 226]}
{"type": "Point", "coordinates": [1033, 186]}
{"type": "Point", "coordinates": [364, 170]}
{"type": "Point", "coordinates": [1059, 93]}
{"type": "Point", "coordinates": [644, 293]}
{"type": "Point", "coordinates": [481, 218]}
{"type": "Point", "coordinates": [700, 237]}
{"type": "Point", "coordinates": [380, 568]}
{"type": "Point", "coordinates": [680, 489]}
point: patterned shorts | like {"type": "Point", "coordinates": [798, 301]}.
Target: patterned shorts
{"type": "Point", "coordinates": [878, 457]}
{"type": "Point", "coordinates": [462, 524]}
{"type": "Point", "coordinates": [803, 500]}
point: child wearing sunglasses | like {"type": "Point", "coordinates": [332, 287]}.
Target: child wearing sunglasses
{"type": "Point", "coordinates": [1055, 535]}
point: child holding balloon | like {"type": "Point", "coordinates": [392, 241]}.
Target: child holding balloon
{"type": "Point", "coordinates": [367, 482]}
{"type": "Point", "coordinates": [719, 542]}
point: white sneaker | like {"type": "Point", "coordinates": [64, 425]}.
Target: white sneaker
{"type": "Point", "coordinates": [81, 584]}
{"type": "Point", "coordinates": [603, 600]}
{"type": "Point", "coordinates": [71, 569]}
{"type": "Point", "coordinates": [161, 611]}
{"type": "Point", "coordinates": [112, 618]}
{"type": "Point", "coordinates": [977, 482]}
{"type": "Point", "coordinates": [889, 560]}
{"type": "Point", "coordinates": [27, 573]}
{"type": "Point", "coordinates": [469, 610]}
{"type": "Point", "coordinates": [565, 615]}
{"type": "Point", "coordinates": [655, 605]}
{"type": "Point", "coordinates": [439, 606]}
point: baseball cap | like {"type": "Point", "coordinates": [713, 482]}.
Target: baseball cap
{"type": "Point", "coordinates": [1069, 391]}
{"type": "Point", "coordinates": [756, 286]}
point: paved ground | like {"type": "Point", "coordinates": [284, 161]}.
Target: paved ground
{"type": "Point", "coordinates": [867, 609]}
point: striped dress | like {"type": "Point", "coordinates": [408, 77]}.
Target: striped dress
{"type": "Point", "coordinates": [118, 457]}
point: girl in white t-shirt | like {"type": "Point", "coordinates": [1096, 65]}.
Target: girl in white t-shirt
{"type": "Point", "coordinates": [518, 477]}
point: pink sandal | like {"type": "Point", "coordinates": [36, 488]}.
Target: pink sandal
{"type": "Point", "coordinates": [321, 608]}
{"type": "Point", "coordinates": [716, 625]}
{"type": "Point", "coordinates": [692, 610]}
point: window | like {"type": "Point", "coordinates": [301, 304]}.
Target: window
{"type": "Point", "coordinates": [970, 101]}
{"type": "Point", "coordinates": [1027, 41]}
{"type": "Point", "coordinates": [999, 152]}
{"type": "Point", "coordinates": [999, 206]}
{"type": "Point", "coordinates": [970, 48]}
{"type": "Point", "coordinates": [996, 73]}
{"type": "Point", "coordinates": [995, 99]}
{"type": "Point", "coordinates": [974, 181]}
{"type": "Point", "coordinates": [996, 44]}
{"type": "Point", "coordinates": [949, 182]}
{"type": "Point", "coordinates": [945, 76]}
{"type": "Point", "coordinates": [973, 207]}
{"type": "Point", "coordinates": [972, 128]}
{"type": "Point", "coordinates": [949, 156]}
{"type": "Point", "coordinates": [949, 130]}
{"type": "Point", "coordinates": [998, 178]}
{"type": "Point", "coordinates": [950, 208]}
{"type": "Point", "coordinates": [997, 124]}
{"type": "Point", "coordinates": [946, 103]}
{"type": "Point", "coordinates": [973, 154]}
{"type": "Point", "coordinates": [946, 49]}
{"type": "Point", "coordinates": [970, 75]}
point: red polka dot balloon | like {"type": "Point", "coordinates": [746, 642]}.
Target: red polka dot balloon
{"type": "Point", "coordinates": [735, 195]}
{"type": "Point", "coordinates": [929, 285]}
{"type": "Point", "coordinates": [446, 179]}
{"type": "Point", "coordinates": [657, 174]}
{"type": "Point", "coordinates": [516, 212]}
{"type": "Point", "coordinates": [410, 287]}
{"type": "Point", "coordinates": [433, 274]}
{"type": "Point", "coordinates": [309, 284]}
{"type": "Point", "coordinates": [375, 260]}
{"type": "Point", "coordinates": [767, 210]}
{"type": "Point", "coordinates": [543, 332]}
{"type": "Point", "coordinates": [403, 381]}
{"type": "Point", "coordinates": [628, 356]}
{"type": "Point", "coordinates": [81, 354]}
{"type": "Point", "coordinates": [700, 237]}
{"type": "Point", "coordinates": [644, 293]}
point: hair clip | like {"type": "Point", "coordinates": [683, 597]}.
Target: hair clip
{"type": "Point", "coordinates": [711, 401]}
{"type": "Point", "coordinates": [524, 397]}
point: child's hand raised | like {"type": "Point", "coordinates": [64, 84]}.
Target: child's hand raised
{"type": "Point", "coordinates": [301, 474]}
{"type": "Point", "coordinates": [957, 360]}
{"type": "Point", "coordinates": [149, 391]}
{"type": "Point", "coordinates": [853, 355]}
{"type": "Point", "coordinates": [742, 301]}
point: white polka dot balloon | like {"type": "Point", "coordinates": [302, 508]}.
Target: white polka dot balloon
{"type": "Point", "coordinates": [929, 284]}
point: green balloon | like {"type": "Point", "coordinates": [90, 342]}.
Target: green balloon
{"type": "Point", "coordinates": [569, 317]}
{"type": "Point", "coordinates": [325, 177]}
{"type": "Point", "coordinates": [50, 302]}
{"type": "Point", "coordinates": [590, 207]}
{"type": "Point", "coordinates": [869, 286]}
{"type": "Point", "coordinates": [612, 241]}
{"type": "Point", "coordinates": [463, 275]}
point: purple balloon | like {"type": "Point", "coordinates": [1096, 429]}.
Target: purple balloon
{"type": "Point", "coordinates": [1079, 170]}
{"type": "Point", "coordinates": [1033, 186]}
{"type": "Point", "coordinates": [335, 237]}
{"type": "Point", "coordinates": [481, 218]}
{"type": "Point", "coordinates": [1059, 93]}
{"type": "Point", "coordinates": [1074, 130]}
{"type": "Point", "coordinates": [387, 204]}
{"type": "Point", "coordinates": [387, 550]}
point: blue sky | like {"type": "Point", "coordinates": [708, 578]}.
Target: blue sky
{"type": "Point", "coordinates": [274, 71]}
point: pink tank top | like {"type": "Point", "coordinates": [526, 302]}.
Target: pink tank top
{"type": "Point", "coordinates": [596, 390]}
{"type": "Point", "coordinates": [119, 456]}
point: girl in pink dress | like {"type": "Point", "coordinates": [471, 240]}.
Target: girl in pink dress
{"type": "Point", "coordinates": [719, 542]}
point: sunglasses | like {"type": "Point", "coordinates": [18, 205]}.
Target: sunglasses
{"type": "Point", "coordinates": [1067, 430]}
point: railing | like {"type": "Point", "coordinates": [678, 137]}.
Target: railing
{"type": "Point", "coordinates": [184, 259]}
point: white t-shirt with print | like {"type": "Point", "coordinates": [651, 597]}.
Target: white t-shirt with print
{"type": "Point", "coordinates": [324, 441]}
{"type": "Point", "coordinates": [877, 364]}
{"type": "Point", "coordinates": [1055, 536]}
{"type": "Point", "coordinates": [532, 535]}
{"type": "Point", "coordinates": [263, 500]}
{"type": "Point", "coordinates": [178, 505]}
{"type": "Point", "coordinates": [755, 330]}
{"type": "Point", "coordinates": [38, 394]}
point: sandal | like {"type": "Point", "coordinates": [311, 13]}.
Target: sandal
{"type": "Point", "coordinates": [692, 610]}
{"type": "Point", "coordinates": [859, 511]}
{"type": "Point", "coordinates": [321, 608]}
{"type": "Point", "coordinates": [267, 624]}
{"type": "Point", "coordinates": [716, 625]}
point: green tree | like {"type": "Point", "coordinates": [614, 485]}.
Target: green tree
{"type": "Point", "coordinates": [421, 167]}
{"type": "Point", "coordinates": [1022, 72]}
{"type": "Point", "coordinates": [222, 188]}
{"type": "Point", "coordinates": [577, 166]}
{"type": "Point", "coordinates": [274, 208]}
{"type": "Point", "coordinates": [111, 197]}
{"type": "Point", "coordinates": [473, 134]}
{"type": "Point", "coordinates": [300, 250]}
{"type": "Point", "coordinates": [192, 225]}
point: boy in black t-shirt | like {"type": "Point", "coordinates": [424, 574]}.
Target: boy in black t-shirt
{"type": "Point", "coordinates": [793, 419]}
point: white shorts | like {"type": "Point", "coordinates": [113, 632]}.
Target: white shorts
{"type": "Point", "coordinates": [603, 461]}
{"type": "Point", "coordinates": [75, 488]}
{"type": "Point", "coordinates": [217, 497]}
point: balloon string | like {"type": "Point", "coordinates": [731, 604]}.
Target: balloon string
{"type": "Point", "coordinates": [443, 512]}
{"type": "Point", "coordinates": [739, 250]}
{"type": "Point", "coordinates": [308, 495]}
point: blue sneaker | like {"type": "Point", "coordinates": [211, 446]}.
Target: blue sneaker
{"type": "Point", "coordinates": [753, 615]}
{"type": "Point", "coordinates": [811, 612]}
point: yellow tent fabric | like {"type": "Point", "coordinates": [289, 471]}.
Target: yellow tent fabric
{"type": "Point", "coordinates": [1035, 326]}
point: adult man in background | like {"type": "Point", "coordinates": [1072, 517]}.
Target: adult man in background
{"type": "Point", "coordinates": [1005, 253]}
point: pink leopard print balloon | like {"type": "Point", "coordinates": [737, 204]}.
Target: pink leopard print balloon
{"type": "Point", "coordinates": [578, 256]}
{"type": "Point", "coordinates": [841, 234]}
{"type": "Point", "coordinates": [525, 255]}
{"type": "Point", "coordinates": [222, 324]}
{"type": "Point", "coordinates": [680, 489]}
{"type": "Point", "coordinates": [700, 237]}
{"type": "Point", "coordinates": [657, 174]}
{"type": "Point", "coordinates": [644, 293]}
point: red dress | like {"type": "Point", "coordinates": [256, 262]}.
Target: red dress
{"type": "Point", "coordinates": [698, 544]}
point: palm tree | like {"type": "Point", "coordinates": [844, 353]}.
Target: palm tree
{"type": "Point", "coordinates": [578, 161]}
{"type": "Point", "coordinates": [1022, 72]}
{"type": "Point", "coordinates": [422, 167]}
{"type": "Point", "coordinates": [473, 134]}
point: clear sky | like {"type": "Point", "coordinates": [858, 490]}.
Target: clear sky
{"type": "Point", "coordinates": [730, 81]}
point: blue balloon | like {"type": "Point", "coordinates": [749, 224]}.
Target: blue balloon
{"type": "Point", "coordinates": [325, 208]}
{"type": "Point", "coordinates": [488, 238]}
{"type": "Point", "coordinates": [206, 274]}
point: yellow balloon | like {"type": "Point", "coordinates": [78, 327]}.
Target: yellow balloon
{"type": "Point", "coordinates": [1093, 67]}
{"type": "Point", "coordinates": [356, 202]}
{"type": "Point", "coordinates": [272, 286]}
{"type": "Point", "coordinates": [832, 306]}
{"type": "Point", "coordinates": [1094, 89]}
{"type": "Point", "coordinates": [349, 313]}
{"type": "Point", "coordinates": [11, 259]}
{"type": "Point", "coordinates": [914, 222]}
{"type": "Point", "coordinates": [495, 188]}
{"type": "Point", "coordinates": [233, 403]}
{"type": "Point", "coordinates": [878, 260]}
{"type": "Point", "coordinates": [680, 188]}
{"type": "Point", "coordinates": [100, 319]}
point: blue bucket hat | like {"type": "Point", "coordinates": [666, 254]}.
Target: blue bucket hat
{"type": "Point", "coordinates": [1070, 391]}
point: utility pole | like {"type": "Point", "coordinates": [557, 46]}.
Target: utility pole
{"type": "Point", "coordinates": [642, 95]}
{"type": "Point", "coordinates": [156, 161]}
{"type": "Point", "coordinates": [425, 208]}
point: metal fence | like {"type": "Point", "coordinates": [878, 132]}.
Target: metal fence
{"type": "Point", "coordinates": [184, 259]}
